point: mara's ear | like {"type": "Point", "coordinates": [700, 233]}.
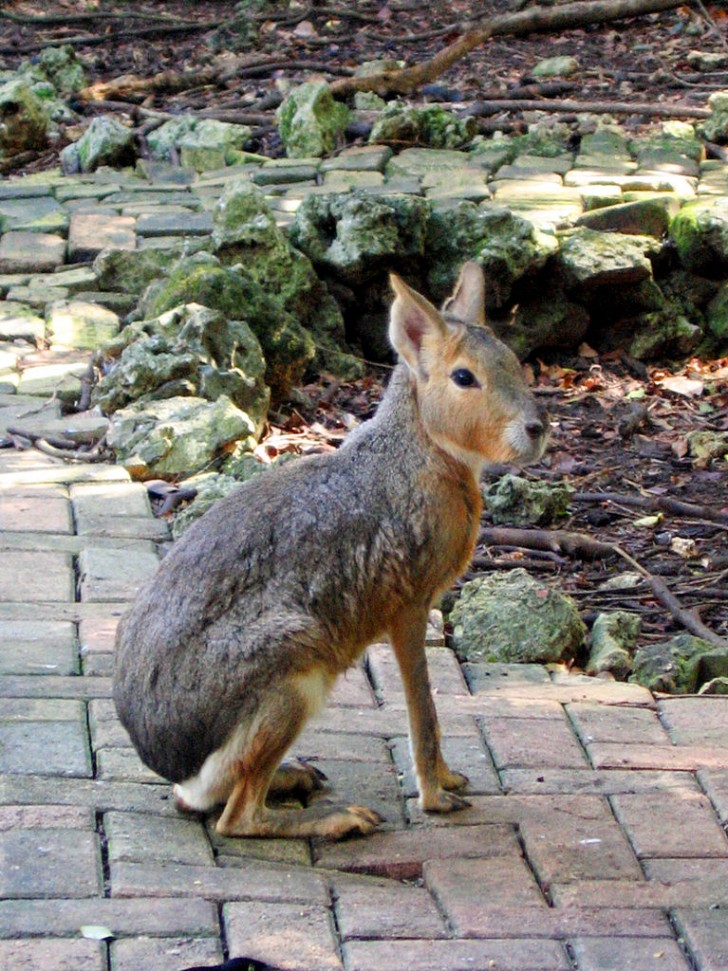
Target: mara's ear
{"type": "Point", "coordinates": [467, 302]}
{"type": "Point", "coordinates": [411, 320]}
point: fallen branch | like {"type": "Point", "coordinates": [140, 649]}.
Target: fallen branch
{"type": "Point", "coordinates": [655, 504]}
{"type": "Point", "coordinates": [97, 40]}
{"type": "Point", "coordinates": [495, 106]}
{"type": "Point", "coordinates": [553, 540]}
{"type": "Point", "coordinates": [475, 33]}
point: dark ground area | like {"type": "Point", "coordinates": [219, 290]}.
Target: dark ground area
{"type": "Point", "coordinates": [617, 426]}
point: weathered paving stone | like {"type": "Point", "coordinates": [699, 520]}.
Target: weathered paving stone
{"type": "Point", "coordinates": [35, 576]}
{"type": "Point", "coordinates": [174, 224]}
{"type": "Point", "coordinates": [52, 954]}
{"type": "Point", "coordinates": [455, 955]}
{"type": "Point", "coordinates": [89, 233]}
{"type": "Point", "coordinates": [104, 576]}
{"type": "Point", "coordinates": [628, 954]}
{"type": "Point", "coordinates": [62, 381]}
{"type": "Point", "coordinates": [377, 908]}
{"type": "Point", "coordinates": [161, 917]}
{"type": "Point", "coordinates": [137, 838]}
{"type": "Point", "coordinates": [49, 863]}
{"type": "Point", "coordinates": [22, 252]}
{"type": "Point", "coordinates": [134, 954]}
{"type": "Point", "coordinates": [706, 934]}
{"type": "Point", "coordinates": [38, 817]}
{"type": "Point", "coordinates": [30, 514]}
{"type": "Point", "coordinates": [129, 499]}
{"type": "Point", "coordinates": [45, 748]}
{"type": "Point", "coordinates": [15, 211]}
{"type": "Point", "coordinates": [38, 647]}
{"type": "Point", "coordinates": [671, 824]}
{"type": "Point", "coordinates": [249, 925]}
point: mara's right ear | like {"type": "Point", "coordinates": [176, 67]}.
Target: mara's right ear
{"type": "Point", "coordinates": [411, 320]}
{"type": "Point", "coordinates": [467, 302]}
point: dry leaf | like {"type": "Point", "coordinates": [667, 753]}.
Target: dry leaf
{"type": "Point", "coordinates": [679, 384]}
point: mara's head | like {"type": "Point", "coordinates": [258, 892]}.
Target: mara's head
{"type": "Point", "coordinates": [472, 397]}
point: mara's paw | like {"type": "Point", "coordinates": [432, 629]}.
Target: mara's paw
{"type": "Point", "coordinates": [351, 821]}
{"type": "Point", "coordinates": [185, 803]}
{"type": "Point", "coordinates": [297, 776]}
{"type": "Point", "coordinates": [453, 780]}
{"type": "Point", "coordinates": [442, 801]}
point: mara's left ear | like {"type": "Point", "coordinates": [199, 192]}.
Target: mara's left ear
{"type": "Point", "coordinates": [412, 320]}
{"type": "Point", "coordinates": [467, 302]}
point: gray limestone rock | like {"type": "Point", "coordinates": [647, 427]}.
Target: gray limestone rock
{"type": "Point", "coordinates": [431, 126]}
{"type": "Point", "coordinates": [589, 260]}
{"type": "Point", "coordinates": [679, 665]}
{"type": "Point", "coordinates": [310, 122]}
{"type": "Point", "coordinates": [700, 235]}
{"type": "Point", "coordinates": [515, 501]}
{"type": "Point", "coordinates": [25, 124]}
{"type": "Point", "coordinates": [511, 617]}
{"type": "Point", "coordinates": [105, 142]}
{"type": "Point", "coordinates": [613, 640]}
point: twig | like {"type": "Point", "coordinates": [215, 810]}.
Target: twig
{"type": "Point", "coordinates": [96, 40]}
{"type": "Point", "coordinates": [688, 620]}
{"type": "Point", "coordinates": [553, 540]}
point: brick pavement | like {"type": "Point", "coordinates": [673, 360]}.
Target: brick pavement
{"type": "Point", "coordinates": [595, 840]}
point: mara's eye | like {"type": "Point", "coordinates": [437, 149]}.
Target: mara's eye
{"type": "Point", "coordinates": [464, 378]}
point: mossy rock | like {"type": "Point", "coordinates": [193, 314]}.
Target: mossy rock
{"type": "Point", "coordinates": [310, 122]}
{"type": "Point", "coordinates": [506, 245]}
{"type": "Point", "coordinates": [356, 236]}
{"type": "Point", "coordinates": [511, 617]}
{"type": "Point", "coordinates": [24, 121]}
{"type": "Point", "coordinates": [132, 271]}
{"type": "Point", "coordinates": [544, 318]}
{"type": "Point", "coordinates": [105, 142]}
{"type": "Point", "coordinates": [287, 346]}
{"type": "Point", "coordinates": [430, 126]}
{"type": "Point", "coordinates": [590, 260]}
{"type": "Point", "coordinates": [613, 640]}
{"type": "Point", "coordinates": [189, 350]}
{"type": "Point", "coordinates": [700, 235]}
{"type": "Point", "coordinates": [515, 501]}
{"type": "Point", "coordinates": [664, 334]}
{"type": "Point", "coordinates": [245, 232]}
{"type": "Point", "coordinates": [679, 665]}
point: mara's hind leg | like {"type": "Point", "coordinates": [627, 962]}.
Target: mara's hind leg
{"type": "Point", "coordinates": [258, 766]}
{"type": "Point", "coordinates": [214, 783]}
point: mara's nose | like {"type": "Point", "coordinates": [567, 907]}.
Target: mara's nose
{"type": "Point", "coordinates": [536, 429]}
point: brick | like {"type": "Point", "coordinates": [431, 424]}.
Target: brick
{"type": "Point", "coordinates": [59, 686]}
{"type": "Point", "coordinates": [175, 224]}
{"type": "Point", "coordinates": [553, 923]}
{"type": "Point", "coordinates": [706, 936]}
{"type": "Point", "coordinates": [375, 908]}
{"type": "Point", "coordinates": [110, 499]}
{"type": "Point", "coordinates": [628, 954]}
{"type": "Point", "coordinates": [604, 783]}
{"type": "Point", "coordinates": [401, 855]}
{"type": "Point", "coordinates": [136, 953]}
{"type": "Point", "coordinates": [101, 797]}
{"type": "Point", "coordinates": [44, 748]}
{"type": "Point", "coordinates": [516, 809]}
{"type": "Point", "coordinates": [468, 889]}
{"type": "Point", "coordinates": [703, 889]}
{"type": "Point", "coordinates": [671, 824]}
{"type": "Point", "coordinates": [484, 676]}
{"type": "Point", "coordinates": [52, 954]}
{"type": "Point", "coordinates": [38, 647]}
{"type": "Point", "coordinates": [456, 955]}
{"type": "Point", "coordinates": [45, 709]}
{"type": "Point", "coordinates": [700, 877]}
{"type": "Point", "coordinates": [288, 937]}
{"type": "Point", "coordinates": [679, 758]}
{"type": "Point", "coordinates": [235, 852]}
{"type": "Point", "coordinates": [30, 514]}
{"type": "Point", "coordinates": [123, 765]}
{"type": "Point", "coordinates": [141, 838]}
{"type": "Point", "coordinates": [39, 817]}
{"type": "Point", "coordinates": [715, 784]}
{"type": "Point", "coordinates": [251, 880]}
{"type": "Point", "coordinates": [36, 576]}
{"type": "Point", "coordinates": [163, 917]}
{"type": "Point", "coordinates": [466, 755]}
{"type": "Point", "coordinates": [352, 690]}
{"type": "Point", "coordinates": [697, 721]}
{"type": "Point", "coordinates": [123, 527]}
{"type": "Point", "coordinates": [526, 742]}
{"type": "Point", "coordinates": [89, 233]}
{"type": "Point", "coordinates": [570, 847]}
{"type": "Point", "coordinates": [445, 675]}
{"type": "Point", "coordinates": [49, 863]}
{"type": "Point", "coordinates": [608, 723]}
{"type": "Point", "coordinates": [371, 784]}
{"type": "Point", "coordinates": [97, 635]}
{"type": "Point", "coordinates": [27, 252]}
{"type": "Point", "coordinates": [107, 577]}
{"type": "Point", "coordinates": [313, 745]}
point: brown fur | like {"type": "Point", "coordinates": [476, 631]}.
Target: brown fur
{"type": "Point", "coordinates": [281, 586]}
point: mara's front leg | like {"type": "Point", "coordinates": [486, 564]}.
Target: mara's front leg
{"type": "Point", "coordinates": [436, 781]}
